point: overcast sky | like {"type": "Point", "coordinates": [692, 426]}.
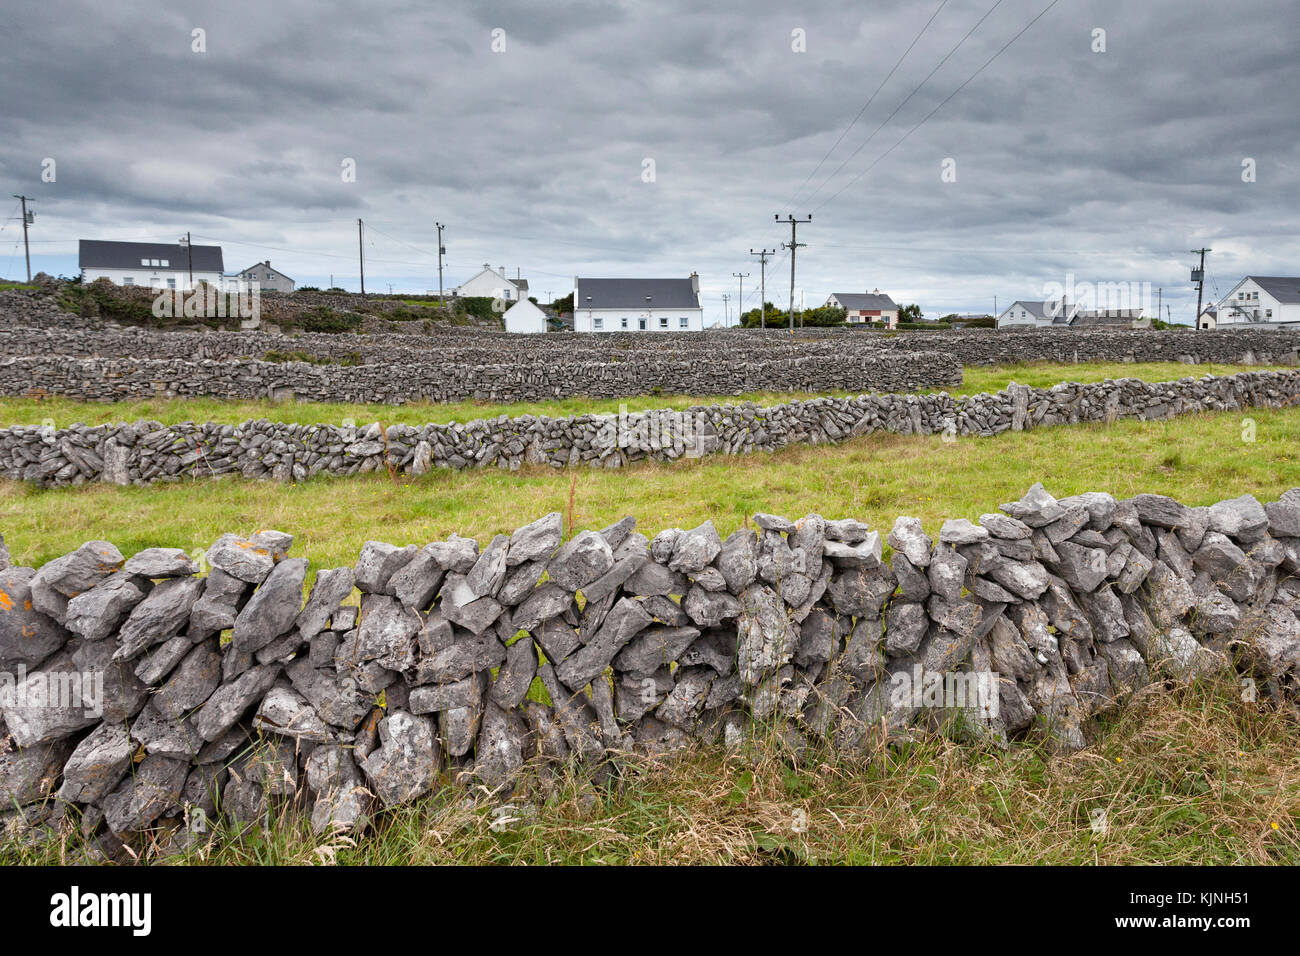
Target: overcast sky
{"type": "Point", "coordinates": [530, 129]}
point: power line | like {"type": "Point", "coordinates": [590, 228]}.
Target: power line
{"type": "Point", "coordinates": [885, 121]}
{"type": "Point", "coordinates": [870, 100]}
{"type": "Point", "coordinates": [950, 96]}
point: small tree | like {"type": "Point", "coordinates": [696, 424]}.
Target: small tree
{"type": "Point", "coordinates": [909, 313]}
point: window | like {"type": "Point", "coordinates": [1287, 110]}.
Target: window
{"type": "Point", "coordinates": [144, 262]}
{"type": "Point", "coordinates": [641, 323]}
{"type": "Point", "coordinates": [624, 321]}
{"type": "Point", "coordinates": [663, 321]}
{"type": "Point", "coordinates": [684, 322]}
{"type": "Point", "coordinates": [171, 283]}
{"type": "Point", "coordinates": [165, 263]}
{"type": "Point", "coordinates": [1268, 313]}
{"type": "Point", "coordinates": [597, 323]}
{"type": "Point", "coordinates": [128, 280]}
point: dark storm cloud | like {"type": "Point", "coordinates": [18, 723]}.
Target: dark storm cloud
{"type": "Point", "coordinates": [1110, 166]}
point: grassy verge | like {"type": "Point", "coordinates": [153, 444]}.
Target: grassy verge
{"type": "Point", "coordinates": [1198, 459]}
{"type": "Point", "coordinates": [34, 411]}
{"type": "Point", "coordinates": [1188, 775]}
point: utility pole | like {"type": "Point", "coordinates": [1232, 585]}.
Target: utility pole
{"type": "Point", "coordinates": [793, 245]}
{"type": "Point", "coordinates": [726, 313]}
{"type": "Point", "coordinates": [27, 250]}
{"type": "Point", "coordinates": [361, 258]}
{"type": "Point", "coordinates": [441, 252]}
{"type": "Point", "coordinates": [740, 302]}
{"type": "Point", "coordinates": [1160, 298]}
{"type": "Point", "coordinates": [1198, 276]}
{"type": "Point", "coordinates": [762, 272]}
{"type": "Point", "coordinates": [189, 250]}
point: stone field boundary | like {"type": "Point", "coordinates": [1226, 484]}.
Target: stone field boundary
{"type": "Point", "coordinates": [537, 653]}
{"type": "Point", "coordinates": [147, 452]}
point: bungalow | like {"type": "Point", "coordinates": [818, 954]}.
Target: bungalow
{"type": "Point", "coordinates": [1257, 302]}
{"type": "Point", "coordinates": [644, 305]}
{"type": "Point", "coordinates": [155, 265]}
{"type": "Point", "coordinates": [1059, 314]}
{"type": "Point", "coordinates": [862, 307]}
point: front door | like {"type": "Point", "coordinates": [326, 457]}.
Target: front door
{"type": "Point", "coordinates": [642, 323]}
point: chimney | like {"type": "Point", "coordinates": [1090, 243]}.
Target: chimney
{"type": "Point", "coordinates": [695, 282]}
{"type": "Point", "coordinates": [502, 270]}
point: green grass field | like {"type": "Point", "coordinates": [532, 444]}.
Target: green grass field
{"type": "Point", "coordinates": [34, 411]}
{"type": "Point", "coordinates": [1189, 775]}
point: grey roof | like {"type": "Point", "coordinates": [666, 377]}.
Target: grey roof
{"type": "Point", "coordinates": [1042, 310]}
{"type": "Point", "coordinates": [264, 265]}
{"type": "Point", "coordinates": [104, 254]}
{"type": "Point", "coordinates": [867, 301]}
{"type": "Point", "coordinates": [1282, 288]}
{"type": "Point", "coordinates": [520, 284]}
{"type": "Point", "coordinates": [631, 294]}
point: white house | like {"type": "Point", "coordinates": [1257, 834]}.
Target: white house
{"type": "Point", "coordinates": [493, 284]}
{"type": "Point", "coordinates": [637, 305]}
{"type": "Point", "coordinates": [524, 318]}
{"type": "Point", "coordinates": [865, 307]}
{"type": "Point", "coordinates": [1037, 314]}
{"type": "Point", "coordinates": [155, 265]}
{"type": "Point", "coordinates": [1257, 302]}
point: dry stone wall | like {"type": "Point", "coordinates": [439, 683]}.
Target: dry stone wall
{"type": "Point", "coordinates": [145, 452]}
{"type": "Point", "coordinates": [141, 696]}
{"type": "Point", "coordinates": [113, 380]}
{"type": "Point", "coordinates": [452, 346]}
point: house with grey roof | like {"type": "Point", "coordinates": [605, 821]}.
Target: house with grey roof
{"type": "Point", "coordinates": [263, 277]}
{"type": "Point", "coordinates": [155, 265]}
{"type": "Point", "coordinates": [637, 305]}
{"type": "Point", "coordinates": [1257, 302]}
{"type": "Point", "coordinates": [1060, 314]}
{"type": "Point", "coordinates": [865, 307]}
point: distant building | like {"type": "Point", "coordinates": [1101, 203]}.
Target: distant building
{"type": "Point", "coordinates": [263, 276]}
{"type": "Point", "coordinates": [1037, 314]}
{"type": "Point", "coordinates": [862, 307]}
{"type": "Point", "coordinates": [1257, 302]}
{"type": "Point", "coordinates": [525, 318]}
{"type": "Point", "coordinates": [492, 284]}
{"type": "Point", "coordinates": [154, 265]}
{"type": "Point", "coordinates": [637, 305]}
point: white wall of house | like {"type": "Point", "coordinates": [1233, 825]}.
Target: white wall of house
{"type": "Point", "coordinates": [524, 318]}
{"type": "Point", "coordinates": [151, 277]}
{"type": "Point", "coordinates": [862, 316]}
{"type": "Point", "coordinates": [1250, 305]}
{"type": "Point", "coordinates": [638, 320]}
{"type": "Point", "coordinates": [491, 283]}
{"type": "Point", "coordinates": [1017, 314]}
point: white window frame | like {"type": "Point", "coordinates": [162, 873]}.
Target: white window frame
{"type": "Point", "coordinates": [663, 321]}
{"type": "Point", "coordinates": [597, 323]}
{"type": "Point", "coordinates": [684, 323]}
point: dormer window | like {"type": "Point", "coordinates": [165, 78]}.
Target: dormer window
{"type": "Point", "coordinates": [144, 262]}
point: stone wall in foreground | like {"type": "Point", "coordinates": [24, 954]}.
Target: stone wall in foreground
{"type": "Point", "coordinates": [146, 696]}
{"type": "Point", "coordinates": [116, 380]}
{"type": "Point", "coordinates": [146, 452]}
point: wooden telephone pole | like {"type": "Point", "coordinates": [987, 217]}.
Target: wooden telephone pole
{"type": "Point", "coordinates": [1198, 276]}
{"type": "Point", "coordinates": [762, 279]}
{"type": "Point", "coordinates": [441, 252]}
{"type": "Point", "coordinates": [361, 258]}
{"type": "Point", "coordinates": [740, 302]}
{"type": "Point", "coordinates": [793, 245]}
{"type": "Point", "coordinates": [27, 220]}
